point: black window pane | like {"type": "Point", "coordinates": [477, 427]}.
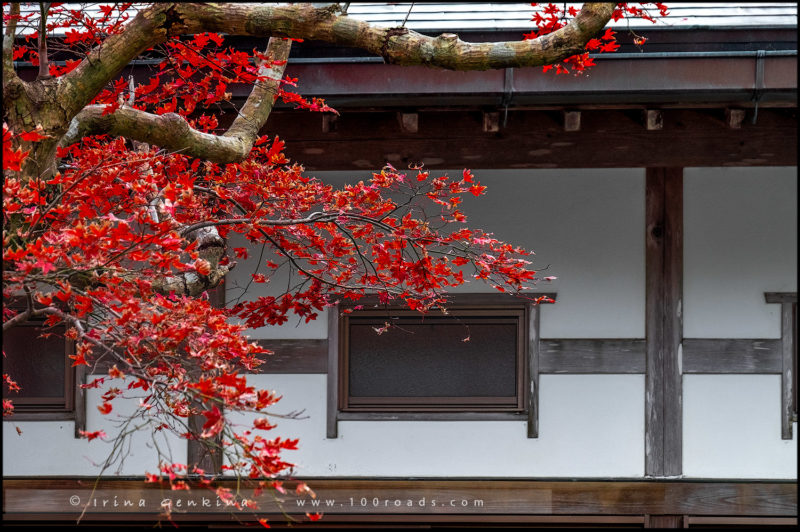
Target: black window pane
{"type": "Point", "coordinates": [431, 358]}
{"type": "Point", "coordinates": [37, 364]}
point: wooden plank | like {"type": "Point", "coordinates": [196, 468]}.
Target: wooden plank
{"type": "Point", "coordinates": [592, 356]}
{"type": "Point", "coordinates": [295, 356]}
{"type": "Point", "coordinates": [332, 428]}
{"type": "Point", "coordinates": [788, 379]}
{"type": "Point", "coordinates": [484, 499]}
{"type": "Point", "coordinates": [731, 356]}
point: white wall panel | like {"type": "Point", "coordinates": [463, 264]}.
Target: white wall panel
{"type": "Point", "coordinates": [732, 428]}
{"type": "Point", "coordinates": [590, 426]}
{"type": "Point", "coordinates": [740, 227]}
{"type": "Point", "coordinates": [50, 447]}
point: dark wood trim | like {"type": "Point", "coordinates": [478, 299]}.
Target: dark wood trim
{"type": "Point", "coordinates": [598, 356]}
{"type": "Point", "coordinates": [295, 356]}
{"type": "Point", "coordinates": [592, 356]}
{"type": "Point", "coordinates": [663, 322]}
{"type": "Point", "coordinates": [523, 500]}
{"type": "Point", "coordinates": [731, 355]}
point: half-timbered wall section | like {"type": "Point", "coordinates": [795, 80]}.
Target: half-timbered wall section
{"type": "Point", "coordinates": [660, 387]}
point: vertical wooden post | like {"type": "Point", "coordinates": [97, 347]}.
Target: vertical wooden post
{"type": "Point", "coordinates": [787, 371]}
{"type": "Point", "coordinates": [533, 371]}
{"type": "Point", "coordinates": [332, 430]}
{"type": "Point", "coordinates": [663, 321]}
{"type": "Point", "coordinates": [788, 302]}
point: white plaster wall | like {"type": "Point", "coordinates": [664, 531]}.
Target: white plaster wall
{"type": "Point", "coordinates": [740, 227]}
{"type": "Point", "coordinates": [589, 426]}
{"type": "Point", "coordinates": [732, 428]}
{"type": "Point", "coordinates": [50, 447]}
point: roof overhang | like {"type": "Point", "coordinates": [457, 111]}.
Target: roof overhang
{"type": "Point", "coordinates": [718, 79]}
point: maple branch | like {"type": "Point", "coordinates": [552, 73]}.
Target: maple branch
{"type": "Point", "coordinates": [396, 45]}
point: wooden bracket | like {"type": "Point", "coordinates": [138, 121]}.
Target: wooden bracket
{"type": "Point", "coordinates": [409, 122]}
{"type": "Point", "coordinates": [491, 122]}
{"type": "Point", "coordinates": [329, 122]}
{"type": "Point", "coordinates": [653, 119]}
{"type": "Point", "coordinates": [572, 120]}
{"type": "Point", "coordinates": [734, 118]}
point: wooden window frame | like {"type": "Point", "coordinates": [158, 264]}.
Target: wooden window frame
{"type": "Point", "coordinates": [44, 408]}
{"type": "Point", "coordinates": [525, 407]}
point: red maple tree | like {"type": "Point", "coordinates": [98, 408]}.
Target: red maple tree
{"type": "Point", "coordinates": [119, 200]}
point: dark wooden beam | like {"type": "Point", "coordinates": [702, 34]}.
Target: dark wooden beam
{"type": "Point", "coordinates": [663, 323]}
{"type": "Point", "coordinates": [731, 355]}
{"type": "Point", "coordinates": [528, 500]}
{"type": "Point", "coordinates": [610, 356]}
{"type": "Point", "coordinates": [295, 356]}
{"type": "Point", "coordinates": [533, 139]}
{"type": "Point", "coordinates": [716, 356]}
